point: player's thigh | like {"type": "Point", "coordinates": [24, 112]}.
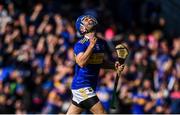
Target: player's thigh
{"type": "Point", "coordinates": [73, 109]}
{"type": "Point", "coordinates": [98, 109]}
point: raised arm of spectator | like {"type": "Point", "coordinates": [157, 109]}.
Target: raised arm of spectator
{"type": "Point", "coordinates": [22, 20]}
{"type": "Point", "coordinates": [43, 24]}
{"type": "Point", "coordinates": [59, 24]}
{"type": "Point", "coordinates": [37, 9]}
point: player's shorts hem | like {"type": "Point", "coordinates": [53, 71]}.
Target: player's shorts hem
{"type": "Point", "coordinates": [88, 103]}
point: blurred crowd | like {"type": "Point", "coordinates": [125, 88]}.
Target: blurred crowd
{"type": "Point", "coordinates": [37, 59]}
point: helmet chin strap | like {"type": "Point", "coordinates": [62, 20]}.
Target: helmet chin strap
{"type": "Point", "coordinates": [86, 36]}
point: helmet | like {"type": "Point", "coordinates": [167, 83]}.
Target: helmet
{"type": "Point", "coordinates": [86, 24]}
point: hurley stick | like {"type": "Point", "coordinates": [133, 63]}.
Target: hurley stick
{"type": "Point", "coordinates": [122, 53]}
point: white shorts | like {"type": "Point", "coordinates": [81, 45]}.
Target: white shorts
{"type": "Point", "coordinates": [82, 94]}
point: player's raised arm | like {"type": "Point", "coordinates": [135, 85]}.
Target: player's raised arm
{"type": "Point", "coordinates": [83, 57]}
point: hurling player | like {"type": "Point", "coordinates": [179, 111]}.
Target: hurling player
{"type": "Point", "coordinates": [89, 57]}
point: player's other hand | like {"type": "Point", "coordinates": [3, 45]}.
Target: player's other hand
{"type": "Point", "coordinates": [92, 41]}
{"type": "Point", "coordinates": [119, 67]}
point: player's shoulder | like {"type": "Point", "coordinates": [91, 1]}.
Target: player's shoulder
{"type": "Point", "coordinates": [81, 42]}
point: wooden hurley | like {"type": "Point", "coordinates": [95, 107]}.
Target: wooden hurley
{"type": "Point", "coordinates": [122, 53]}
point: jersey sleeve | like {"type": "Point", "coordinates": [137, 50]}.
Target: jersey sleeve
{"type": "Point", "coordinates": [79, 48]}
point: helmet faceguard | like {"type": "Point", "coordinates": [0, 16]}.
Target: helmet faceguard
{"type": "Point", "coordinates": [86, 24]}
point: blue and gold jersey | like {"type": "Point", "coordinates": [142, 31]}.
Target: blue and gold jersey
{"type": "Point", "coordinates": [88, 75]}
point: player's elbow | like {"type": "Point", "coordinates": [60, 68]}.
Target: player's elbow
{"type": "Point", "coordinates": [81, 62]}
{"type": "Point", "coordinates": [81, 65]}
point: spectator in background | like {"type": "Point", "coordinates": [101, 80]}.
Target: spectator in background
{"type": "Point", "coordinates": [175, 97]}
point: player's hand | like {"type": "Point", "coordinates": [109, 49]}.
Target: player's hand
{"type": "Point", "coordinates": [119, 67]}
{"type": "Point", "coordinates": [92, 41]}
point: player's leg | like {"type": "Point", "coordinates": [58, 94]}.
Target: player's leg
{"type": "Point", "coordinates": [73, 109]}
{"type": "Point", "coordinates": [98, 108]}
